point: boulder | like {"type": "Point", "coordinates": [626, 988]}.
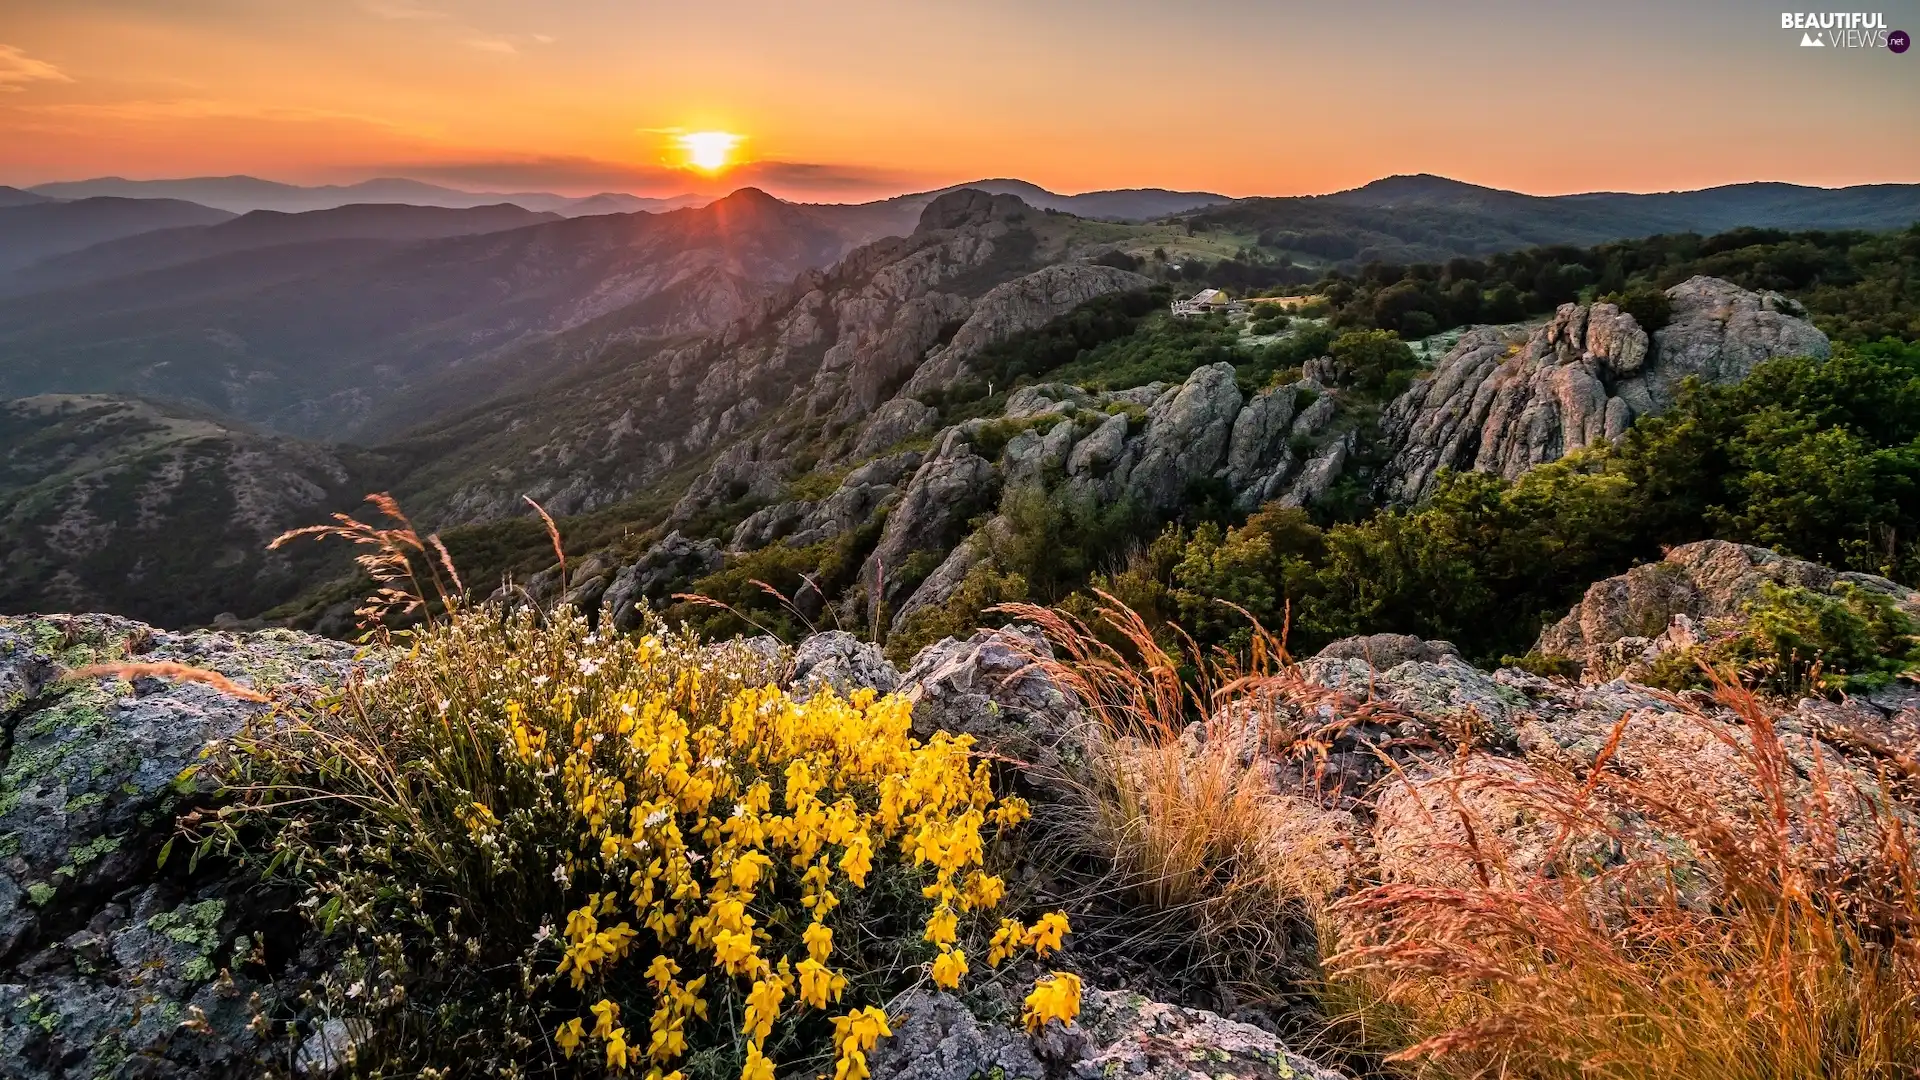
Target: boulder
{"type": "Point", "coordinates": [1025, 303]}
{"type": "Point", "coordinates": [671, 563]}
{"type": "Point", "coordinates": [989, 686]}
{"type": "Point", "coordinates": [1186, 437]}
{"type": "Point", "coordinates": [1117, 1034]}
{"type": "Point", "coordinates": [952, 485]}
{"type": "Point", "coordinates": [109, 963]}
{"type": "Point", "coordinates": [839, 660]}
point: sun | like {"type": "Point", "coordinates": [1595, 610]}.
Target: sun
{"type": "Point", "coordinates": [709, 151]}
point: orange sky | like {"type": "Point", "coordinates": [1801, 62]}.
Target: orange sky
{"type": "Point", "coordinates": [856, 99]}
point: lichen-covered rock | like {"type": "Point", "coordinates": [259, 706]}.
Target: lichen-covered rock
{"type": "Point", "coordinates": [1025, 303]}
{"type": "Point", "coordinates": [108, 965]}
{"type": "Point", "coordinates": [1186, 437]}
{"type": "Point", "coordinates": [839, 660]}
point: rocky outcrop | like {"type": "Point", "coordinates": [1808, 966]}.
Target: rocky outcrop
{"type": "Point", "coordinates": [670, 563]}
{"type": "Point", "coordinates": [1025, 303]}
{"type": "Point", "coordinates": [990, 687]}
{"type": "Point", "coordinates": [843, 662]}
{"type": "Point", "coordinates": [950, 486]}
{"type": "Point", "coordinates": [1503, 403]}
{"type": "Point", "coordinates": [1632, 618]}
{"type": "Point", "coordinates": [111, 965]}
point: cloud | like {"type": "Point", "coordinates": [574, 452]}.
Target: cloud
{"type": "Point", "coordinates": [400, 10]}
{"type": "Point", "coordinates": [17, 69]}
{"type": "Point", "coordinates": [545, 39]}
{"type": "Point", "coordinates": [584, 175]}
{"type": "Point", "coordinates": [815, 177]}
{"type": "Point", "coordinates": [493, 45]}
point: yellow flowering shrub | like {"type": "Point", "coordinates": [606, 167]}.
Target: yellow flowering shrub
{"type": "Point", "coordinates": [672, 866]}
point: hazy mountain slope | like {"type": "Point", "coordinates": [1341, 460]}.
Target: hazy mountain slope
{"type": "Point", "coordinates": [13, 196]}
{"type": "Point", "coordinates": [163, 514]}
{"type": "Point", "coordinates": [241, 194]}
{"type": "Point", "coordinates": [266, 336]}
{"type": "Point", "coordinates": [261, 229]}
{"type": "Point", "coordinates": [809, 366]}
{"type": "Point", "coordinates": [1779, 206]}
{"type": "Point", "coordinates": [35, 231]}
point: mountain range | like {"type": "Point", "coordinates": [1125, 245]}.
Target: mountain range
{"type": "Point", "coordinates": [240, 194]}
{"type": "Point", "coordinates": [706, 358]}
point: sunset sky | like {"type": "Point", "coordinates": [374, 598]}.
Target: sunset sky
{"type": "Point", "coordinates": [875, 97]}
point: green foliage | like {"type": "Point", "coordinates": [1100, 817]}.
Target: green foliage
{"type": "Point", "coordinates": [1851, 639]}
{"type": "Point", "coordinates": [1376, 362]}
{"type": "Point", "coordinates": [1649, 306]}
{"type": "Point", "coordinates": [1856, 286]}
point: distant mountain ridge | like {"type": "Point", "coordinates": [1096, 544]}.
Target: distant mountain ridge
{"type": "Point", "coordinates": [32, 231]}
{"type": "Point", "coordinates": [241, 194]}
{"type": "Point", "coordinates": [160, 248]}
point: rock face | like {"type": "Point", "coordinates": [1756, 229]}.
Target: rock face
{"type": "Point", "coordinates": [1502, 404]}
{"type": "Point", "coordinates": [1632, 618]}
{"type": "Point", "coordinates": [839, 660]}
{"type": "Point", "coordinates": [672, 561]}
{"type": "Point", "coordinates": [989, 687]}
{"type": "Point", "coordinates": [1025, 303]}
{"type": "Point", "coordinates": [103, 956]}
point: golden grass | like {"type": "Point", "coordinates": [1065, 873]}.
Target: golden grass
{"type": "Point", "coordinates": [1767, 936]}
{"type": "Point", "coordinates": [127, 672]}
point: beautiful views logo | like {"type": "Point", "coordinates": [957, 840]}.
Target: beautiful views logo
{"type": "Point", "coordinates": [1844, 30]}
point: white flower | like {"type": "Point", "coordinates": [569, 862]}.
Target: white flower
{"type": "Point", "coordinates": [359, 987]}
{"type": "Point", "coordinates": [560, 874]}
{"type": "Point", "coordinates": [739, 809]}
{"type": "Point", "coordinates": [656, 819]}
{"type": "Point", "coordinates": [588, 666]}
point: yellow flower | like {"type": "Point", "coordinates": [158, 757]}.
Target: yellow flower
{"type": "Point", "coordinates": [819, 941]}
{"type": "Point", "coordinates": [1005, 940]}
{"type": "Point", "coordinates": [733, 950]}
{"type": "Point", "coordinates": [1046, 934]}
{"type": "Point", "coordinates": [757, 1067]}
{"type": "Point", "coordinates": [606, 1015]}
{"type": "Point", "coordinates": [983, 891]}
{"type": "Point", "coordinates": [569, 1036]}
{"type": "Point", "coordinates": [942, 926]}
{"type": "Point", "coordinates": [949, 967]}
{"type": "Point", "coordinates": [861, 1029]}
{"type": "Point", "coordinates": [857, 862]}
{"type": "Point", "coordinates": [1055, 997]}
{"type": "Point", "coordinates": [818, 983]}
{"type": "Point", "coordinates": [763, 1006]}
{"type": "Point", "coordinates": [617, 1050]}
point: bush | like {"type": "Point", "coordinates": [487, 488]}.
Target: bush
{"type": "Point", "coordinates": [539, 845]}
{"type": "Point", "coordinates": [1649, 306]}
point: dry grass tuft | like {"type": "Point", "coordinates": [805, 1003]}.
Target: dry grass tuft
{"type": "Point", "coordinates": [1770, 936]}
{"type": "Point", "coordinates": [127, 672]}
{"type": "Point", "coordinates": [401, 588]}
{"type": "Point", "coordinates": [1180, 800]}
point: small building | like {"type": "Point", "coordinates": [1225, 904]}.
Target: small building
{"type": "Point", "coordinates": [1204, 302]}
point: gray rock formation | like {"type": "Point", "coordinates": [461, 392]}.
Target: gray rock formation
{"type": "Point", "coordinates": [839, 660]}
{"type": "Point", "coordinates": [668, 564]}
{"type": "Point", "coordinates": [1025, 303]}
{"type": "Point", "coordinates": [102, 957]}
{"type": "Point", "coordinates": [1502, 404]}
{"type": "Point", "coordinates": [989, 687]}
{"type": "Point", "coordinates": [1186, 437]}
{"type": "Point", "coordinates": [951, 485]}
